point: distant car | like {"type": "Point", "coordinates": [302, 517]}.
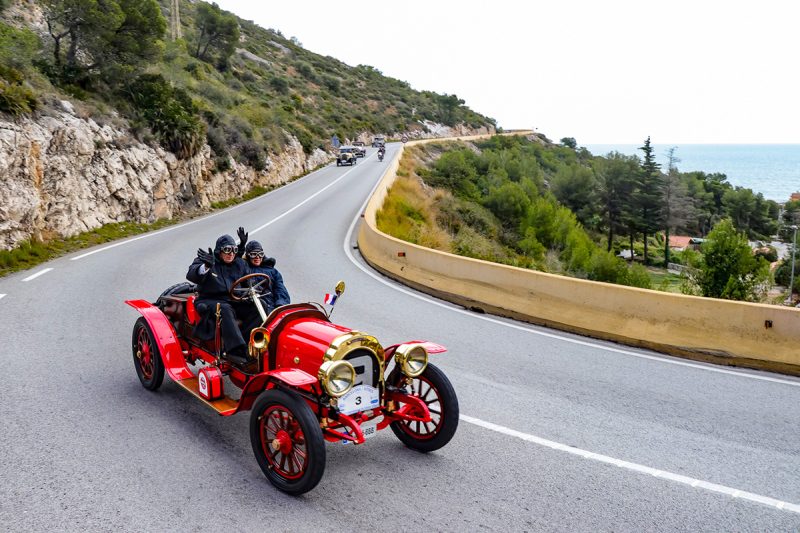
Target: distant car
{"type": "Point", "coordinates": [378, 141]}
{"type": "Point", "coordinates": [361, 149]}
{"type": "Point", "coordinates": [347, 156]}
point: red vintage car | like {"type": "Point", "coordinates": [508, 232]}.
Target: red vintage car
{"type": "Point", "coordinates": [309, 380]}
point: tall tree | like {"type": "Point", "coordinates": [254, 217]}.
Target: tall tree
{"type": "Point", "coordinates": [616, 179]}
{"type": "Point", "coordinates": [106, 36]}
{"type": "Point", "coordinates": [218, 31]}
{"type": "Point", "coordinates": [575, 187]}
{"type": "Point", "coordinates": [678, 207]}
{"type": "Point", "coordinates": [649, 198]}
{"type": "Point", "coordinates": [87, 25]}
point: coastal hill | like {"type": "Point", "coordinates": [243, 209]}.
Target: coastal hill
{"type": "Point", "coordinates": [140, 112]}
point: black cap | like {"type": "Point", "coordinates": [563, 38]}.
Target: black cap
{"type": "Point", "coordinates": [253, 246]}
{"type": "Point", "coordinates": [225, 240]}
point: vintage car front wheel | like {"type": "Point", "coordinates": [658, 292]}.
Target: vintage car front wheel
{"type": "Point", "coordinates": [433, 388]}
{"type": "Point", "coordinates": [146, 356]}
{"type": "Point", "coordinates": [287, 441]}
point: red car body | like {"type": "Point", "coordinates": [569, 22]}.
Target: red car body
{"type": "Point", "coordinates": [299, 358]}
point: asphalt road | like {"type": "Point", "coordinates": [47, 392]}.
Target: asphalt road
{"type": "Point", "coordinates": [559, 433]}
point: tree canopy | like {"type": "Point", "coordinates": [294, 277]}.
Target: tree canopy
{"type": "Point", "coordinates": [729, 269]}
{"type": "Point", "coordinates": [109, 37]}
{"type": "Point", "coordinates": [218, 33]}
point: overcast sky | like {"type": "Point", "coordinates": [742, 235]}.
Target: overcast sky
{"type": "Point", "coordinates": [611, 71]}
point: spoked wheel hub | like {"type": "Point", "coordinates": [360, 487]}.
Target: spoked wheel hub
{"type": "Point", "coordinates": [283, 442]}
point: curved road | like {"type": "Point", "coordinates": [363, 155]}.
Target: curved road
{"type": "Point", "coordinates": [559, 433]}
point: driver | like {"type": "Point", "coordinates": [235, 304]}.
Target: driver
{"type": "Point", "coordinates": [254, 253]}
{"type": "Point", "coordinates": [214, 273]}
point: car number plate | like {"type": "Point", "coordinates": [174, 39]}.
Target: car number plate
{"type": "Point", "coordinates": [360, 398]}
{"type": "Point", "coordinates": [368, 428]}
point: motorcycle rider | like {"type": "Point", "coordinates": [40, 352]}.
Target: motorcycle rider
{"type": "Point", "coordinates": [381, 153]}
{"type": "Point", "coordinates": [214, 272]}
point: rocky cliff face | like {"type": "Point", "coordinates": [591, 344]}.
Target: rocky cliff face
{"type": "Point", "coordinates": [61, 174]}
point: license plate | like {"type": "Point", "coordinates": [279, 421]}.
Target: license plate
{"type": "Point", "coordinates": [360, 398]}
{"type": "Point", "coordinates": [368, 428]}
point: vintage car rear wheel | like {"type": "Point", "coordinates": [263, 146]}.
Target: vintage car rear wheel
{"type": "Point", "coordinates": [146, 356]}
{"type": "Point", "coordinates": [287, 441]}
{"type": "Point", "coordinates": [433, 387]}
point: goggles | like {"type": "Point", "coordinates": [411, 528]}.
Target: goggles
{"type": "Point", "coordinates": [255, 254]}
{"type": "Point", "coordinates": [229, 249]}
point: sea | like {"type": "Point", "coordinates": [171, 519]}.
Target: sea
{"type": "Point", "coordinates": [770, 169]}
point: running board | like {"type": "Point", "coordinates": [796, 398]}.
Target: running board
{"type": "Point", "coordinates": [225, 406]}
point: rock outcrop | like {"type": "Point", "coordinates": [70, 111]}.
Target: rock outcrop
{"type": "Point", "coordinates": [61, 174]}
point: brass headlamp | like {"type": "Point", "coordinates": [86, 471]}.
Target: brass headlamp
{"type": "Point", "coordinates": [412, 359]}
{"type": "Point", "coordinates": [337, 377]}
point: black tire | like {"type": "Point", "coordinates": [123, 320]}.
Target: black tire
{"type": "Point", "coordinates": [338, 163]}
{"type": "Point", "coordinates": [296, 424]}
{"type": "Point", "coordinates": [437, 392]}
{"type": "Point", "coordinates": [146, 356]}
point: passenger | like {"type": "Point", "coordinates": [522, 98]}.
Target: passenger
{"type": "Point", "coordinates": [254, 253]}
{"type": "Point", "coordinates": [214, 273]}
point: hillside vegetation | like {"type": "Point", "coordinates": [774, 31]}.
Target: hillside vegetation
{"type": "Point", "coordinates": [228, 82]}
{"type": "Point", "coordinates": [556, 208]}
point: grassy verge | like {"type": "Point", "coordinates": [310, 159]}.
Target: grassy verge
{"type": "Point", "coordinates": [31, 253]}
{"type": "Point", "coordinates": [254, 192]}
{"type": "Point", "coordinates": [664, 281]}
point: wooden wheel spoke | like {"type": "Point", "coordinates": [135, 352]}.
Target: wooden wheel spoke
{"type": "Point", "coordinates": [273, 455]}
{"type": "Point", "coordinates": [283, 462]}
{"type": "Point", "coordinates": [424, 397]}
{"type": "Point", "coordinates": [273, 426]}
{"type": "Point", "coordinates": [296, 461]}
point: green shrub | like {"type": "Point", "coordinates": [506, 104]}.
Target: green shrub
{"type": "Point", "coordinates": [279, 85]}
{"type": "Point", "coordinates": [16, 99]}
{"type": "Point", "coordinates": [253, 155]}
{"type": "Point", "coordinates": [333, 84]}
{"type": "Point", "coordinates": [306, 70]}
{"type": "Point", "coordinates": [169, 112]}
{"type": "Point", "coordinates": [216, 140]}
{"type": "Point", "coordinates": [637, 276]}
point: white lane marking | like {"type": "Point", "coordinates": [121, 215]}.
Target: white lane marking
{"type": "Point", "coordinates": [1, 296]}
{"type": "Point", "coordinates": [34, 276]}
{"type": "Point", "coordinates": [394, 285]}
{"type": "Point", "coordinates": [146, 235]}
{"type": "Point", "coordinates": [328, 186]}
{"type": "Point", "coordinates": [661, 474]}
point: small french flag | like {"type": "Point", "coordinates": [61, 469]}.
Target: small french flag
{"type": "Point", "coordinates": [330, 299]}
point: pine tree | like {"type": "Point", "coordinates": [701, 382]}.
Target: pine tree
{"type": "Point", "coordinates": [649, 198]}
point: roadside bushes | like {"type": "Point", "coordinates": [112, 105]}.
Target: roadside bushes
{"type": "Point", "coordinates": [169, 113]}
{"type": "Point", "coordinates": [15, 98]}
{"type": "Point", "coordinates": [17, 48]}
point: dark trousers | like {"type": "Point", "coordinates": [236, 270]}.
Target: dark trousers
{"type": "Point", "coordinates": [232, 338]}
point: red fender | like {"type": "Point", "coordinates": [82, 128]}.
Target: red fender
{"type": "Point", "coordinates": [166, 338]}
{"type": "Point", "coordinates": [431, 347]}
{"type": "Point", "coordinates": [294, 377]}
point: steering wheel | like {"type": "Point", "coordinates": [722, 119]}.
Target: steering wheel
{"type": "Point", "coordinates": [240, 293]}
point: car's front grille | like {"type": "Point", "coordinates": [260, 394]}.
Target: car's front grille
{"type": "Point", "coordinates": [366, 366]}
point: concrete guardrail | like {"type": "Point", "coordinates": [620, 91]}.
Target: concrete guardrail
{"type": "Point", "coordinates": [720, 331]}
